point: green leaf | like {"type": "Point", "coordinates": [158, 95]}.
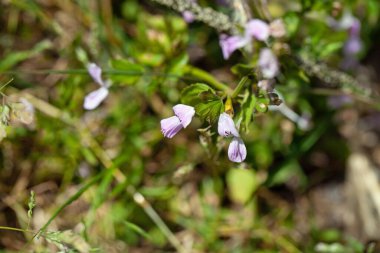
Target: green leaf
{"type": "Point", "coordinates": [207, 104]}
{"type": "Point", "coordinates": [177, 65]}
{"type": "Point", "coordinates": [14, 58]}
{"type": "Point", "coordinates": [241, 184]}
{"type": "Point", "coordinates": [191, 94]}
{"type": "Point", "coordinates": [330, 49]}
{"type": "Point", "coordinates": [248, 107]}
{"type": "Point", "coordinates": [285, 172]}
{"type": "Point", "coordinates": [210, 110]}
{"type": "Point", "coordinates": [292, 22]}
{"type": "Point", "coordinates": [137, 230]}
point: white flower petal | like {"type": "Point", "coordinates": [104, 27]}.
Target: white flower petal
{"type": "Point", "coordinates": [185, 113]}
{"type": "Point", "coordinates": [226, 126]}
{"type": "Point", "coordinates": [93, 99]}
{"type": "Point", "coordinates": [237, 152]}
{"type": "Point", "coordinates": [170, 126]}
{"type": "Point", "coordinates": [96, 73]}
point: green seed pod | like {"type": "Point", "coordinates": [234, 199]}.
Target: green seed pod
{"type": "Point", "coordinates": [261, 107]}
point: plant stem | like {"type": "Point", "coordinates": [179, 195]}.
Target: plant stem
{"type": "Point", "coordinates": [240, 86]}
{"type": "Point", "coordinates": [203, 75]}
{"type": "Point", "coordinates": [15, 229]}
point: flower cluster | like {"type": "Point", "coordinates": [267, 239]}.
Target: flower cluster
{"type": "Point", "coordinates": [259, 30]}
{"type": "Point", "coordinates": [183, 114]}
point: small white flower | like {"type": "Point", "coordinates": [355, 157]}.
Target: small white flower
{"type": "Point", "coordinates": [94, 98]}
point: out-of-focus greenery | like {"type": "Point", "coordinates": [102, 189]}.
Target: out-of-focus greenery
{"type": "Point", "coordinates": [89, 169]}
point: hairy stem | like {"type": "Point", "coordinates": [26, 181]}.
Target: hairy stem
{"type": "Point", "coordinates": [212, 18]}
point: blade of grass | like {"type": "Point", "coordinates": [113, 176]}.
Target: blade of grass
{"type": "Point", "coordinates": [82, 190]}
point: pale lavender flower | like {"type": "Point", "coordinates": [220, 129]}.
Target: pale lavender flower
{"type": "Point", "coordinates": [237, 152]}
{"type": "Point", "coordinates": [188, 16]}
{"type": "Point", "coordinates": [352, 46]}
{"type": "Point", "coordinates": [268, 63]}
{"type": "Point", "coordinates": [94, 98]}
{"type": "Point", "coordinates": [231, 43]}
{"type": "Point", "coordinates": [277, 28]}
{"type": "Point", "coordinates": [185, 113]}
{"type": "Point", "coordinates": [96, 73]}
{"type": "Point", "coordinates": [183, 116]}
{"type": "Point", "coordinates": [226, 126]}
{"type": "Point", "coordinates": [258, 29]}
{"type": "Point", "coordinates": [171, 126]}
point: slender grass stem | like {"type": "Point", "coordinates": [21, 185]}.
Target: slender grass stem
{"type": "Point", "coordinates": [15, 229]}
{"type": "Point", "coordinates": [240, 86]}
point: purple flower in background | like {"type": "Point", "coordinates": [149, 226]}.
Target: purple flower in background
{"type": "Point", "coordinates": [255, 28]}
{"type": "Point", "coordinates": [226, 126]}
{"type": "Point", "coordinates": [258, 29]}
{"type": "Point", "coordinates": [183, 116]}
{"type": "Point", "coordinates": [237, 152]}
{"type": "Point", "coordinates": [188, 16]}
{"type": "Point", "coordinates": [353, 44]}
{"type": "Point", "coordinates": [231, 43]}
{"type": "Point", "coordinates": [94, 98]}
{"type": "Point", "coordinates": [277, 28]}
{"type": "Point", "coordinates": [268, 63]}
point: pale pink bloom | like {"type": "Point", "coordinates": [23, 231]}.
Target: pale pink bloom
{"type": "Point", "coordinates": [268, 63]}
{"type": "Point", "coordinates": [237, 152]}
{"type": "Point", "coordinates": [185, 113]}
{"type": "Point", "coordinates": [277, 28]}
{"type": "Point", "coordinates": [183, 116]}
{"type": "Point", "coordinates": [94, 98]}
{"type": "Point", "coordinates": [352, 46]}
{"type": "Point", "coordinates": [226, 126]}
{"type": "Point", "coordinates": [171, 126]}
{"type": "Point", "coordinates": [96, 73]}
{"type": "Point", "coordinates": [188, 16]}
{"type": "Point", "coordinates": [258, 29]}
{"type": "Point", "coordinates": [231, 43]}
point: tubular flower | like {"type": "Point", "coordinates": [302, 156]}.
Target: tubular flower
{"type": "Point", "coordinates": [255, 28]}
{"type": "Point", "coordinates": [231, 43]}
{"type": "Point", "coordinates": [94, 98]}
{"type": "Point", "coordinates": [237, 151]}
{"type": "Point", "coordinates": [226, 126]}
{"type": "Point", "coordinates": [172, 125]}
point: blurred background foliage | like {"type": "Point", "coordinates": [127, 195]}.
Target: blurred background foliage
{"type": "Point", "coordinates": [290, 195]}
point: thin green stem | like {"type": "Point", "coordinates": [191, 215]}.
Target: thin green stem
{"type": "Point", "coordinates": [203, 75]}
{"type": "Point", "coordinates": [15, 229]}
{"type": "Point", "coordinates": [240, 86]}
